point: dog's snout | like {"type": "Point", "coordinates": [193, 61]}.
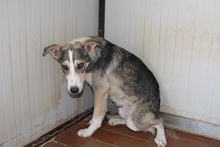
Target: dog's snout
{"type": "Point", "coordinates": [74, 89]}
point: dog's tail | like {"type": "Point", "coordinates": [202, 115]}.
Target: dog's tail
{"type": "Point", "coordinates": [172, 134]}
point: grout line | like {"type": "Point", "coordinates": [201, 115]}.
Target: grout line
{"type": "Point", "coordinates": [146, 140]}
{"type": "Point", "coordinates": [103, 142]}
{"type": "Point", "coordinates": [53, 140]}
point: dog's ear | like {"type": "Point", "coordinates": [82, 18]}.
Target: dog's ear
{"type": "Point", "coordinates": [54, 50]}
{"type": "Point", "coordinates": [90, 46]}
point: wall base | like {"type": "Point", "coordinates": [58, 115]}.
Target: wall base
{"type": "Point", "coordinates": [191, 126]}
{"type": "Point", "coordinates": [59, 129]}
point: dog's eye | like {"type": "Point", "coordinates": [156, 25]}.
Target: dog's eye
{"type": "Point", "coordinates": [65, 68]}
{"type": "Point", "coordinates": [80, 65]}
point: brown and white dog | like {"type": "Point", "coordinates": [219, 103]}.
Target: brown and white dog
{"type": "Point", "coordinates": [115, 74]}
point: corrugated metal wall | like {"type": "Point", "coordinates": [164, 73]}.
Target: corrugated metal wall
{"type": "Point", "coordinates": [179, 40]}
{"type": "Point", "coordinates": [33, 95]}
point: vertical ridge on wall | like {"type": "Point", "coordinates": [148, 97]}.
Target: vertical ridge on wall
{"type": "Point", "coordinates": [33, 94]}
{"type": "Point", "coordinates": [7, 76]}
{"type": "Point", "coordinates": [179, 41]}
{"type": "Point", "coordinates": [3, 135]}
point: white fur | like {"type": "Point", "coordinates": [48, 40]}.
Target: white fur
{"type": "Point", "coordinates": [103, 116]}
{"type": "Point", "coordinates": [95, 124]}
{"type": "Point", "coordinates": [160, 138]}
{"type": "Point", "coordinates": [72, 78]}
{"type": "Point", "coordinates": [116, 121]}
{"type": "Point", "coordinates": [124, 111]}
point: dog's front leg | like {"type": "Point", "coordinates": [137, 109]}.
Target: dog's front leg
{"type": "Point", "coordinates": [100, 95]}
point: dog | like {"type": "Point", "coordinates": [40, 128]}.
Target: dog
{"type": "Point", "coordinates": [115, 74]}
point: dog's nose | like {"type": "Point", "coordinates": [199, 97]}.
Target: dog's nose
{"type": "Point", "coordinates": [74, 89]}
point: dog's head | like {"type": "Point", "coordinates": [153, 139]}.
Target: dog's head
{"type": "Point", "coordinates": [74, 59]}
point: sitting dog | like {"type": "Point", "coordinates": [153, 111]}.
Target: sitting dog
{"type": "Point", "coordinates": [115, 74]}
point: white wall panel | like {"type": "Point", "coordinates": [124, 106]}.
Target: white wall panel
{"type": "Point", "coordinates": [33, 94]}
{"type": "Point", "coordinates": [179, 40]}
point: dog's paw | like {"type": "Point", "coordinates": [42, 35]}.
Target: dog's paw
{"type": "Point", "coordinates": [84, 133]}
{"type": "Point", "coordinates": [115, 122]}
{"type": "Point", "coordinates": [161, 141]}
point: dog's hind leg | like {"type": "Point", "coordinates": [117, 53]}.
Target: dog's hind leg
{"type": "Point", "coordinates": [100, 95]}
{"type": "Point", "coordinates": [142, 119]}
{"type": "Point", "coordinates": [114, 120]}
{"type": "Point", "coordinates": [160, 137]}
{"type": "Point", "coordinates": [149, 123]}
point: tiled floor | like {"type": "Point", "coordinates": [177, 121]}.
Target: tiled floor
{"type": "Point", "coordinates": [120, 136]}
